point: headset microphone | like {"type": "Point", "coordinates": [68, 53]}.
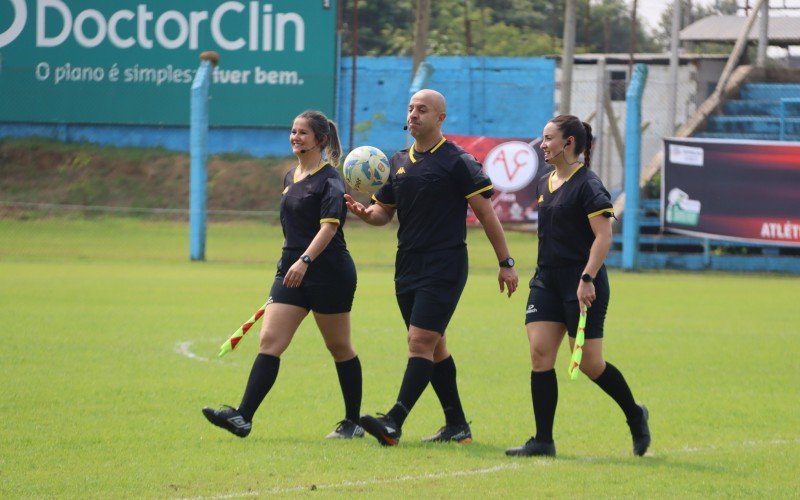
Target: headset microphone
{"type": "Point", "coordinates": [405, 127]}
{"type": "Point", "coordinates": [562, 150]}
{"type": "Point", "coordinates": [303, 151]}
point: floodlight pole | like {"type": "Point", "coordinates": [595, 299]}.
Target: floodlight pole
{"type": "Point", "coordinates": [675, 44]}
{"type": "Point", "coordinates": [763, 36]}
{"type": "Point", "coordinates": [570, 21]}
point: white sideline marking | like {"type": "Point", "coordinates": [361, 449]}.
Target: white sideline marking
{"type": "Point", "coordinates": [486, 470]}
{"type": "Point", "coordinates": [371, 482]}
{"type": "Point", "coordinates": [184, 349]}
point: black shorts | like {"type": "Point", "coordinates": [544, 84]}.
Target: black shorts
{"type": "Point", "coordinates": [327, 288]}
{"type": "Point", "coordinates": [429, 285]}
{"type": "Point", "coordinates": [553, 297]}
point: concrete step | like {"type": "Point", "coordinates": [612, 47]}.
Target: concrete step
{"type": "Point", "coordinates": [699, 262]}
{"type": "Point", "coordinates": [767, 91]}
{"type": "Point", "coordinates": [752, 125]}
{"type": "Point", "coordinates": [760, 107]}
{"type": "Point", "coordinates": [746, 136]}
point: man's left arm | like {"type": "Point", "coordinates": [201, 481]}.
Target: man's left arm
{"type": "Point", "coordinates": [482, 207]}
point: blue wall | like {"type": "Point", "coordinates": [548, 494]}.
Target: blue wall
{"type": "Point", "coordinates": [493, 96]}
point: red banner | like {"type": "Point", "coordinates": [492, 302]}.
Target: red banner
{"type": "Point", "coordinates": [735, 190]}
{"type": "Point", "coordinates": [513, 164]}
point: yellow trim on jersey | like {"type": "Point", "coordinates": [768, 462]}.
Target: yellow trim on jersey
{"type": "Point", "coordinates": [603, 211]}
{"type": "Point", "coordinates": [479, 191]}
{"type": "Point", "coordinates": [379, 202]}
{"type": "Point", "coordinates": [411, 149]}
{"type": "Point", "coordinates": [331, 220]}
{"type": "Point", "coordinates": [285, 190]}
{"type": "Point", "coordinates": [553, 174]}
{"type": "Point", "coordinates": [433, 149]}
{"type": "Point", "coordinates": [322, 163]}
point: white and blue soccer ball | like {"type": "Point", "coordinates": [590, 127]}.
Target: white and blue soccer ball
{"type": "Point", "coordinates": [366, 169]}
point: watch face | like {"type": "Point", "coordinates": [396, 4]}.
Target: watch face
{"type": "Point", "coordinates": [511, 262]}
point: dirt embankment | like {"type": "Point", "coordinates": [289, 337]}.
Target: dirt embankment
{"type": "Point", "coordinates": [39, 171]}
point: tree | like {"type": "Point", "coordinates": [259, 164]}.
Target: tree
{"type": "Point", "coordinates": [691, 13]}
{"type": "Point", "coordinates": [491, 27]}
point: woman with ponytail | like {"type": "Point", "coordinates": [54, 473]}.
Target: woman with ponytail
{"type": "Point", "coordinates": [315, 273]}
{"type": "Point", "coordinates": [575, 213]}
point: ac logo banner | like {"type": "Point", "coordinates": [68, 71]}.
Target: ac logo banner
{"type": "Point", "coordinates": [514, 165]}
{"type": "Point", "coordinates": [126, 62]}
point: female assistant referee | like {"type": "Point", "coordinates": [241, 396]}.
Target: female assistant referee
{"type": "Point", "coordinates": [575, 214]}
{"type": "Point", "coordinates": [315, 273]}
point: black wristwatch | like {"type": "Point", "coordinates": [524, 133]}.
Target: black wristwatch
{"type": "Point", "coordinates": [509, 262]}
{"type": "Point", "coordinates": [587, 278]}
{"type": "Point", "coordinates": [306, 259]}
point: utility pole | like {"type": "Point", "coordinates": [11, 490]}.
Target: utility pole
{"type": "Point", "coordinates": [674, 62]}
{"type": "Point", "coordinates": [421, 36]}
{"type": "Point", "coordinates": [570, 21]}
{"type": "Point", "coordinates": [763, 36]}
{"type": "Point", "coordinates": [632, 44]}
{"type": "Point", "coordinates": [467, 28]}
{"type": "Point", "coordinates": [353, 78]}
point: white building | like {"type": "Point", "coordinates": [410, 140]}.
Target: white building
{"type": "Point", "coordinates": [697, 77]}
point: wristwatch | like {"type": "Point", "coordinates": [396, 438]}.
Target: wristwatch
{"type": "Point", "coordinates": [509, 262]}
{"type": "Point", "coordinates": [587, 278]}
{"type": "Point", "coordinates": [306, 259]}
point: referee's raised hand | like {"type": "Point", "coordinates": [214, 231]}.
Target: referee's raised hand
{"type": "Point", "coordinates": [376, 215]}
{"type": "Point", "coordinates": [356, 207]}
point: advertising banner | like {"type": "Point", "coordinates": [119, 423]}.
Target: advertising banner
{"type": "Point", "coordinates": [734, 190]}
{"type": "Point", "coordinates": [133, 62]}
{"type": "Point", "coordinates": [513, 164]}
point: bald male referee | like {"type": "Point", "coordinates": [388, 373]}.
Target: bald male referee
{"type": "Point", "coordinates": [430, 185]}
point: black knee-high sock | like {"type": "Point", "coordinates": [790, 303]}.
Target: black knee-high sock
{"type": "Point", "coordinates": [350, 381]}
{"type": "Point", "coordinates": [443, 381]}
{"type": "Point", "coordinates": [544, 392]}
{"type": "Point", "coordinates": [418, 374]}
{"type": "Point", "coordinates": [613, 383]}
{"type": "Point", "coordinates": [262, 376]}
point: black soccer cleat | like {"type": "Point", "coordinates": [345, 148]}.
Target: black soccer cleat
{"type": "Point", "coordinates": [229, 419]}
{"type": "Point", "coordinates": [459, 433]}
{"type": "Point", "coordinates": [382, 428]}
{"type": "Point", "coordinates": [640, 433]}
{"type": "Point", "coordinates": [346, 429]}
{"type": "Point", "coordinates": [533, 448]}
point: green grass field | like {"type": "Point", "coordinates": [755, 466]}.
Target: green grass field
{"type": "Point", "coordinates": [110, 337]}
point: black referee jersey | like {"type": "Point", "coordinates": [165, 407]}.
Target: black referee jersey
{"type": "Point", "coordinates": [309, 202]}
{"type": "Point", "coordinates": [565, 235]}
{"type": "Point", "coordinates": [429, 191]}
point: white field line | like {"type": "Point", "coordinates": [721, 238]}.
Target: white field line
{"type": "Point", "coordinates": [372, 482]}
{"type": "Point", "coordinates": [184, 349]}
{"type": "Point", "coordinates": [686, 450]}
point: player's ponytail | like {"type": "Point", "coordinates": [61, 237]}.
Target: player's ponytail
{"type": "Point", "coordinates": [334, 147]}
{"type": "Point", "coordinates": [587, 152]}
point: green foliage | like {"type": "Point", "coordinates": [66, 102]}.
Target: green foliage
{"type": "Point", "coordinates": [491, 27]}
{"type": "Point", "coordinates": [102, 400]}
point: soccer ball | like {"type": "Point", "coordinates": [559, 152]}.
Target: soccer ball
{"type": "Point", "coordinates": [366, 169]}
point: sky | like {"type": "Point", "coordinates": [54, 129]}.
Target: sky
{"type": "Point", "coordinates": [650, 11]}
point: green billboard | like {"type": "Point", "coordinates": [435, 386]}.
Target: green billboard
{"type": "Point", "coordinates": [133, 62]}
